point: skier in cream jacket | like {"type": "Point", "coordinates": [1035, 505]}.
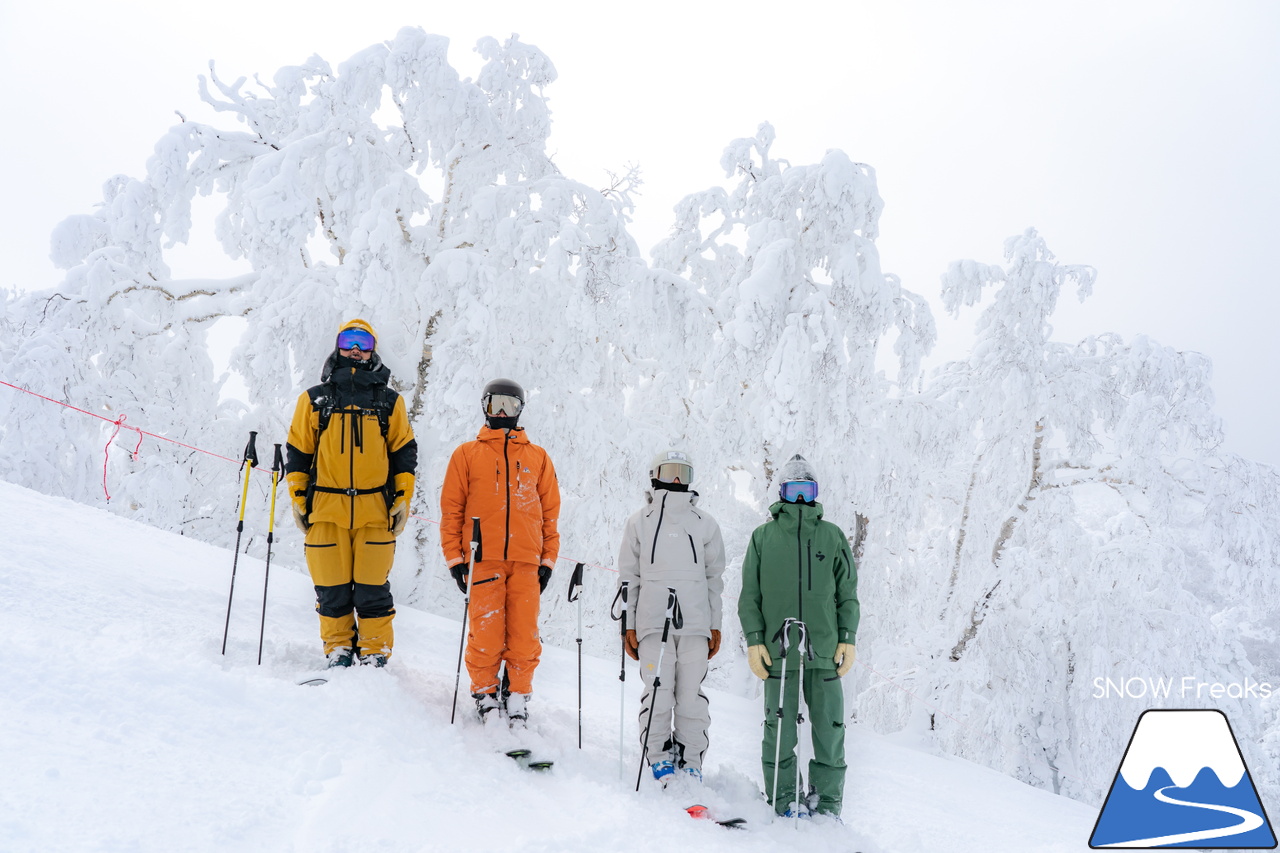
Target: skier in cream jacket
{"type": "Point", "coordinates": [673, 543]}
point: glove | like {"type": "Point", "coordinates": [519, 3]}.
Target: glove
{"type": "Point", "coordinates": [846, 654]}
{"type": "Point", "coordinates": [400, 506]}
{"type": "Point", "coordinates": [714, 645]}
{"type": "Point", "coordinates": [631, 645]}
{"type": "Point", "coordinates": [459, 573]}
{"type": "Point", "coordinates": [759, 661]}
{"type": "Point", "coordinates": [544, 577]}
{"type": "Point", "coordinates": [298, 482]}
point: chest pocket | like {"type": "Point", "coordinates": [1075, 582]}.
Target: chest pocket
{"type": "Point", "coordinates": [524, 485]}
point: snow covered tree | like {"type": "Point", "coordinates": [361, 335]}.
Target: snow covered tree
{"type": "Point", "coordinates": [1068, 555]}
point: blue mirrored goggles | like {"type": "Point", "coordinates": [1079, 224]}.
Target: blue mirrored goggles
{"type": "Point", "coordinates": [793, 490]}
{"type": "Point", "coordinates": [356, 339]}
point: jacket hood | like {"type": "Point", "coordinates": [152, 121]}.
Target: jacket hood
{"type": "Point", "coordinates": [796, 513]}
{"type": "Point", "coordinates": [371, 372]}
{"type": "Point", "coordinates": [651, 495]}
{"type": "Point", "coordinates": [490, 434]}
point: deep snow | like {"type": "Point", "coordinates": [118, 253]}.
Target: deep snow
{"type": "Point", "coordinates": [125, 729]}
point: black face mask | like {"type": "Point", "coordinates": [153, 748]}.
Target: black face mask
{"type": "Point", "coordinates": [670, 487]}
{"type": "Point", "coordinates": [501, 422]}
{"type": "Point", "coordinates": [344, 361]}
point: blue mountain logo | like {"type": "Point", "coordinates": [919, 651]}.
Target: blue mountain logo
{"type": "Point", "coordinates": [1183, 783]}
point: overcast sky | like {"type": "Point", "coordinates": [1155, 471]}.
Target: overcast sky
{"type": "Point", "coordinates": [1141, 138]}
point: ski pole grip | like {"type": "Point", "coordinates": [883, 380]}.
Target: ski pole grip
{"type": "Point", "coordinates": [475, 530]}
{"type": "Point", "coordinates": [277, 464]}
{"type": "Point", "coordinates": [251, 450]}
{"type": "Point", "coordinates": [575, 582]}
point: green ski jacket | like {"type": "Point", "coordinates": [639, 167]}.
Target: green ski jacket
{"type": "Point", "coordinates": [799, 566]}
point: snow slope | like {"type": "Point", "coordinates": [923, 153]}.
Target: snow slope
{"type": "Point", "coordinates": [124, 729]}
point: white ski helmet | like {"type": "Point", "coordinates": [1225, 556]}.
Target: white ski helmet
{"type": "Point", "coordinates": [797, 470]}
{"type": "Point", "coordinates": [672, 466]}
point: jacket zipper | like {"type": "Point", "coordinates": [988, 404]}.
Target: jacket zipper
{"type": "Point", "coordinates": [351, 473]}
{"type": "Point", "coordinates": [693, 549]}
{"type": "Point", "coordinates": [808, 553]}
{"type": "Point", "coordinates": [799, 567]}
{"type": "Point", "coordinates": [661, 509]}
{"type": "Point", "coordinates": [506, 543]}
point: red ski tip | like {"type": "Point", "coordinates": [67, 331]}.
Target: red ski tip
{"type": "Point", "coordinates": [699, 812]}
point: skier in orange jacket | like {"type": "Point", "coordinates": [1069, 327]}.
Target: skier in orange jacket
{"type": "Point", "coordinates": [510, 485]}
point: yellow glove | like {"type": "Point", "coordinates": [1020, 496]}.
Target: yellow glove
{"type": "Point", "coordinates": [400, 507]}
{"type": "Point", "coordinates": [298, 482]}
{"type": "Point", "coordinates": [759, 661]}
{"type": "Point", "coordinates": [846, 654]}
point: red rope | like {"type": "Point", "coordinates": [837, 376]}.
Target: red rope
{"type": "Point", "coordinates": [141, 432]}
{"type": "Point", "coordinates": [120, 423]}
{"type": "Point", "coordinates": [106, 451]}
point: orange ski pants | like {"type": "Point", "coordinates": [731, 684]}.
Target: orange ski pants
{"type": "Point", "coordinates": [503, 625]}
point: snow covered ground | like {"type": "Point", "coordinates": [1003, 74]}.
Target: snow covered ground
{"type": "Point", "coordinates": [124, 729]}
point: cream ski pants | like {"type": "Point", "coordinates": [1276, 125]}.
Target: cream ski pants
{"type": "Point", "coordinates": [681, 713]}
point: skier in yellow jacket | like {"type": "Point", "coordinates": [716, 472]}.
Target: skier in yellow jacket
{"type": "Point", "coordinates": [350, 470]}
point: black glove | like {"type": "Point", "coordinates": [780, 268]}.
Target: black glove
{"type": "Point", "coordinates": [544, 577]}
{"type": "Point", "coordinates": [459, 573]}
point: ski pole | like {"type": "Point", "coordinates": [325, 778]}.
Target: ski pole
{"type": "Point", "coordinates": [276, 465]}
{"type": "Point", "coordinates": [247, 465]}
{"type": "Point", "coordinates": [575, 594]}
{"type": "Point", "coordinates": [466, 611]}
{"type": "Point", "coordinates": [657, 681]}
{"type": "Point", "coordinates": [806, 653]}
{"type": "Point", "coordinates": [620, 613]}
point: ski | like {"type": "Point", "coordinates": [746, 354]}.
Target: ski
{"type": "Point", "coordinates": [523, 757]}
{"type": "Point", "coordinates": [701, 812]}
{"type": "Point", "coordinates": [313, 681]}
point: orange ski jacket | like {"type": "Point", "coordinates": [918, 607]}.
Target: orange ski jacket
{"type": "Point", "coordinates": [510, 484]}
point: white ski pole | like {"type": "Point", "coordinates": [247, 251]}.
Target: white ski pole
{"type": "Point", "coordinates": [672, 616]}
{"type": "Point", "coordinates": [782, 703]}
{"type": "Point", "coordinates": [575, 594]}
{"type": "Point", "coordinates": [618, 611]}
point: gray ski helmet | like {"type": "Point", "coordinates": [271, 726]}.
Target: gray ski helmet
{"type": "Point", "coordinates": [671, 466]}
{"type": "Point", "coordinates": [502, 388]}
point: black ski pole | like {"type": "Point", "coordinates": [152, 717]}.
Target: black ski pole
{"type": "Point", "coordinates": [277, 465]}
{"type": "Point", "coordinates": [575, 594]}
{"type": "Point", "coordinates": [620, 613]}
{"type": "Point", "coordinates": [657, 682]}
{"type": "Point", "coordinates": [247, 465]}
{"type": "Point", "coordinates": [466, 612]}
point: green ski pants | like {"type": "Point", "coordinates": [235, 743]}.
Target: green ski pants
{"type": "Point", "coordinates": [824, 709]}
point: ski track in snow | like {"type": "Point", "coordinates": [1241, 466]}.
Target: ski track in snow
{"type": "Point", "coordinates": [126, 730]}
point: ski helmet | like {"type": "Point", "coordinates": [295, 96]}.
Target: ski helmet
{"type": "Point", "coordinates": [797, 480]}
{"type": "Point", "coordinates": [672, 466]}
{"type": "Point", "coordinates": [357, 334]}
{"type": "Point", "coordinates": [502, 401]}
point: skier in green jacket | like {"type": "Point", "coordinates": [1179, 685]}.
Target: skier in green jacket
{"type": "Point", "coordinates": [799, 568]}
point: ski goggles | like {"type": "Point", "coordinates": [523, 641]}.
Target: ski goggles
{"type": "Point", "coordinates": [356, 339]}
{"type": "Point", "coordinates": [675, 472]}
{"type": "Point", "coordinates": [793, 490]}
{"type": "Point", "coordinates": [502, 405]}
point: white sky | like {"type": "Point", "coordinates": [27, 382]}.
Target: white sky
{"type": "Point", "coordinates": [1139, 137]}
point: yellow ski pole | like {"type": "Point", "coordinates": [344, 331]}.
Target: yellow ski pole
{"type": "Point", "coordinates": [276, 465]}
{"type": "Point", "coordinates": [246, 467]}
